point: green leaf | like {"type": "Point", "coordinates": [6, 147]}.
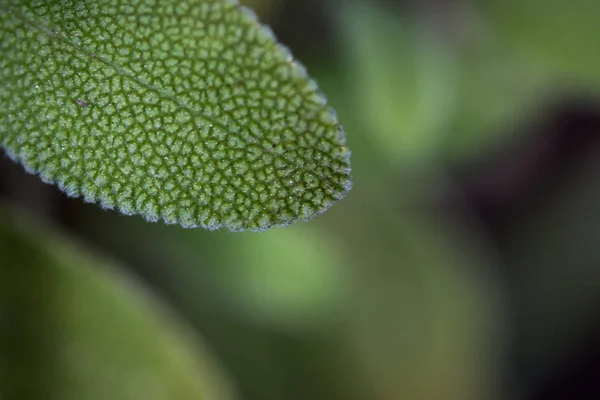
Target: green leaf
{"type": "Point", "coordinates": [290, 280]}
{"type": "Point", "coordinates": [403, 79]}
{"type": "Point", "coordinates": [560, 38]}
{"type": "Point", "coordinates": [72, 327]}
{"type": "Point", "coordinates": [188, 112]}
{"type": "Point", "coordinates": [498, 92]}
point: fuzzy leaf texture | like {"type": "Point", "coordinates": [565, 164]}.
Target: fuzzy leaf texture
{"type": "Point", "coordinates": [185, 111]}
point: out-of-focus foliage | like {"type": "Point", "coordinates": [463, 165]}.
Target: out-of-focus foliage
{"type": "Point", "coordinates": [189, 113]}
{"type": "Point", "coordinates": [497, 92]}
{"type": "Point", "coordinates": [297, 291]}
{"type": "Point", "coordinates": [403, 80]}
{"type": "Point", "coordinates": [557, 38]}
{"type": "Point", "coordinates": [73, 327]}
{"type": "Point", "coordinates": [422, 300]}
{"type": "Point", "coordinates": [257, 281]}
{"type": "Point", "coordinates": [425, 93]}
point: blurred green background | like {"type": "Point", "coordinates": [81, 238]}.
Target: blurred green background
{"type": "Point", "coordinates": [464, 264]}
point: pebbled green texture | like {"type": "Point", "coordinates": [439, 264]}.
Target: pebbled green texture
{"type": "Point", "coordinates": [185, 111]}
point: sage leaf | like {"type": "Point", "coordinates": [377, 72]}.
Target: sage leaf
{"type": "Point", "coordinates": [189, 112]}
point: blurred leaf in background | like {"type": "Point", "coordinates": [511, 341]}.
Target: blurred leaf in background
{"type": "Point", "coordinates": [496, 94]}
{"type": "Point", "coordinates": [426, 307]}
{"type": "Point", "coordinates": [559, 38]}
{"type": "Point", "coordinates": [293, 277]}
{"type": "Point", "coordinates": [402, 80]}
{"type": "Point", "coordinates": [517, 58]}
{"type": "Point", "coordinates": [427, 85]}
{"type": "Point", "coordinates": [72, 327]}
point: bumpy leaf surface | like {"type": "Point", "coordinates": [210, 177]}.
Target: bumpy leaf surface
{"type": "Point", "coordinates": [186, 111]}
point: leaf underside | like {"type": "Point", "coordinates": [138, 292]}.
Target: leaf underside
{"type": "Point", "coordinates": [189, 112]}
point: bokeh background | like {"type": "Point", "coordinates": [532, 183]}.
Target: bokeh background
{"type": "Point", "coordinates": [464, 264]}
